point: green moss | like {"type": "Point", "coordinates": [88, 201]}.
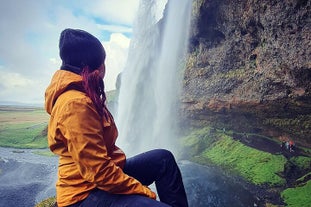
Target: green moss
{"type": "Point", "coordinates": [304, 177]}
{"type": "Point", "coordinates": [237, 74]}
{"type": "Point", "coordinates": [207, 146]}
{"type": "Point", "coordinates": [298, 197]}
{"type": "Point", "coordinates": [307, 150]}
{"type": "Point", "coordinates": [49, 202]}
{"type": "Point", "coordinates": [197, 141]}
{"type": "Point", "coordinates": [301, 122]}
{"type": "Point", "coordinates": [298, 127]}
{"type": "Point", "coordinates": [281, 122]}
{"type": "Point", "coordinates": [256, 166]}
{"type": "Point", "coordinates": [302, 162]}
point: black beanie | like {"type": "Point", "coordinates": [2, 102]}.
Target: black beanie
{"type": "Point", "coordinates": [78, 48]}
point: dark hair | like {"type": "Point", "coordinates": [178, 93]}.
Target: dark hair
{"type": "Point", "coordinates": [82, 53]}
{"type": "Point", "coordinates": [94, 87]}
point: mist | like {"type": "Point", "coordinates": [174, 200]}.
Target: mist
{"type": "Point", "coordinates": [150, 82]}
{"type": "Point", "coordinates": [26, 178]}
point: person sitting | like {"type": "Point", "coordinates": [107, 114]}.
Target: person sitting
{"type": "Point", "coordinates": [92, 170]}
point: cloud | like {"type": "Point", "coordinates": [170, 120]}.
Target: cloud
{"type": "Point", "coordinates": [116, 11]}
{"type": "Point", "coordinates": [114, 28]}
{"type": "Point", "coordinates": [15, 86]}
{"type": "Point", "coordinates": [29, 34]}
{"type": "Point", "coordinates": [117, 50]}
{"type": "Point", "coordinates": [13, 80]}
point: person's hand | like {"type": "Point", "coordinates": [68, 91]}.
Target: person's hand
{"type": "Point", "coordinates": [150, 193]}
{"type": "Point", "coordinates": [153, 195]}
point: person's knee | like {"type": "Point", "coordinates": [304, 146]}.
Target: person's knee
{"type": "Point", "coordinates": [166, 154]}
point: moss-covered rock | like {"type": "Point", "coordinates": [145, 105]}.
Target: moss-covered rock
{"type": "Point", "coordinates": [249, 68]}
{"type": "Point", "coordinates": [49, 202]}
{"type": "Point", "coordinates": [260, 163]}
{"type": "Point", "coordinates": [299, 196]}
{"type": "Point", "coordinates": [258, 167]}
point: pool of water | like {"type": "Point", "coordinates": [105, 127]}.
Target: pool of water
{"type": "Point", "coordinates": [206, 186]}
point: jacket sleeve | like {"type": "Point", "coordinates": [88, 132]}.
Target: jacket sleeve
{"type": "Point", "coordinates": [84, 134]}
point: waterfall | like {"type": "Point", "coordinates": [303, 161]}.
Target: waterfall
{"type": "Point", "coordinates": [150, 81]}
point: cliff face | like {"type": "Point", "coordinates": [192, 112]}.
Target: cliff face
{"type": "Point", "coordinates": [249, 67]}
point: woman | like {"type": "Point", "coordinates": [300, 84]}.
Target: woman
{"type": "Point", "coordinates": [92, 170]}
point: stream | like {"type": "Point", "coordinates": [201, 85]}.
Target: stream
{"type": "Point", "coordinates": [27, 178]}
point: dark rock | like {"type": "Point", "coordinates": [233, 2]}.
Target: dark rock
{"type": "Point", "coordinates": [249, 67]}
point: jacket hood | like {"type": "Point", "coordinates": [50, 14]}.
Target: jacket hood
{"type": "Point", "coordinates": [61, 82]}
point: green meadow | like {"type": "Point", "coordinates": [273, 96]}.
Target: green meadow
{"type": "Point", "coordinates": [26, 127]}
{"type": "Point", "coordinates": [23, 127]}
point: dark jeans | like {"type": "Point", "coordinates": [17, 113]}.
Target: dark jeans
{"type": "Point", "coordinates": [157, 166]}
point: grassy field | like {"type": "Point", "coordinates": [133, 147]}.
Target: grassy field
{"type": "Point", "coordinates": [23, 127]}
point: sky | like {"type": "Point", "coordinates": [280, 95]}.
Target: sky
{"type": "Point", "coordinates": [29, 35]}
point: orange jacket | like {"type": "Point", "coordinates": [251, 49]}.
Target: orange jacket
{"type": "Point", "coordinates": [88, 157]}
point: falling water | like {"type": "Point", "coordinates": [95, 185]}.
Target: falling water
{"type": "Point", "coordinates": [150, 81]}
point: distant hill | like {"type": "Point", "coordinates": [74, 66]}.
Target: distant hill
{"type": "Point", "coordinates": [20, 104]}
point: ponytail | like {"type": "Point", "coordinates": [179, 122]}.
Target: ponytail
{"type": "Point", "coordinates": [94, 87]}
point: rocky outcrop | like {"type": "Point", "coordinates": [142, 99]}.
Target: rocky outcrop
{"type": "Point", "coordinates": [249, 67]}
